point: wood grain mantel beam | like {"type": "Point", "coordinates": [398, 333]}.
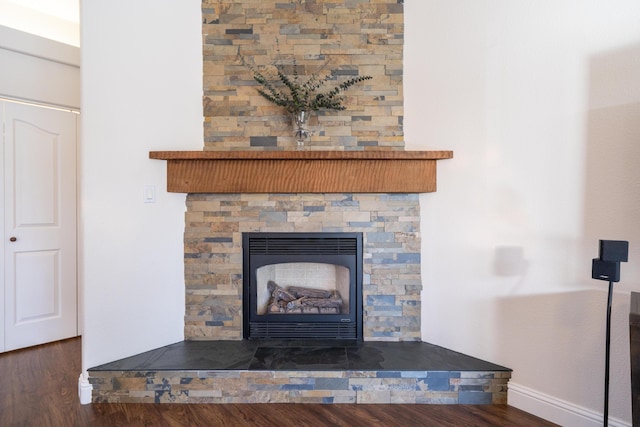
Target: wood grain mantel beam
{"type": "Point", "coordinates": [301, 171]}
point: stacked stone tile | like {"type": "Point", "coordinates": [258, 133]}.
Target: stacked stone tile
{"type": "Point", "coordinates": [366, 387]}
{"type": "Point", "coordinates": [341, 37]}
{"type": "Point", "coordinates": [391, 239]}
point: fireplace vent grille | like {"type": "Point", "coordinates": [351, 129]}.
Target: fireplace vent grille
{"type": "Point", "coordinates": [274, 330]}
{"type": "Point", "coordinates": [306, 246]}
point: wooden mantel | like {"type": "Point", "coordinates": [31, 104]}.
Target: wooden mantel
{"type": "Point", "coordinates": [301, 171]}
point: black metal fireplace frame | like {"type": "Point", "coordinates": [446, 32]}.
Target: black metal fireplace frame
{"type": "Point", "coordinates": [261, 249]}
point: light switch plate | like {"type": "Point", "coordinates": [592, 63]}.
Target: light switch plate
{"type": "Point", "coordinates": [149, 193]}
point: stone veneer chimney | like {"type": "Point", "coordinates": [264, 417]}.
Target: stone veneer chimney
{"type": "Point", "coordinates": [353, 37]}
{"type": "Point", "coordinates": [350, 37]}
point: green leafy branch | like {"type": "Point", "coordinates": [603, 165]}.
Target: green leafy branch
{"type": "Point", "coordinates": [296, 93]}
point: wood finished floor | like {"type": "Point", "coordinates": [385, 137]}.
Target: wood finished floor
{"type": "Point", "coordinates": [39, 388]}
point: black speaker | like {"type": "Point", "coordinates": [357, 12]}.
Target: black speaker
{"type": "Point", "coordinates": [614, 250]}
{"type": "Point", "coordinates": [605, 270]}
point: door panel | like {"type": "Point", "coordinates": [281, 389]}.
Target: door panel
{"type": "Point", "coordinates": [36, 178]}
{"type": "Point", "coordinates": [37, 297]}
{"type": "Point", "coordinates": [40, 225]}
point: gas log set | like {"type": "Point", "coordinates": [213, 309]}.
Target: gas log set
{"type": "Point", "coordinates": [299, 300]}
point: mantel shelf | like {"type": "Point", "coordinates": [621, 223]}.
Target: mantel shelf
{"type": "Point", "coordinates": [301, 171]}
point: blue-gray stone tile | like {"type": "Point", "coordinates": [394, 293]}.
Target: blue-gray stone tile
{"type": "Point", "coordinates": [408, 258]}
{"type": "Point", "coordinates": [439, 384]}
{"type": "Point", "coordinates": [474, 398]}
{"type": "Point", "coordinates": [388, 374]}
{"type": "Point", "coordinates": [332, 384]}
{"type": "Point", "coordinates": [378, 300]}
{"type": "Point", "coordinates": [263, 141]}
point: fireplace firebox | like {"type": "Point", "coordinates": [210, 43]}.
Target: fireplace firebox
{"type": "Point", "coordinates": [302, 286]}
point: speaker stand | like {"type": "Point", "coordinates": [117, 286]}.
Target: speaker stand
{"type": "Point", "coordinates": [606, 357]}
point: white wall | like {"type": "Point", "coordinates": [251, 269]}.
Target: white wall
{"type": "Point", "coordinates": [540, 102]}
{"type": "Point", "coordinates": [141, 91]}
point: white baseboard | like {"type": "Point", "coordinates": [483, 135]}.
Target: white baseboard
{"type": "Point", "coordinates": [84, 389]}
{"type": "Point", "coordinates": [556, 410]}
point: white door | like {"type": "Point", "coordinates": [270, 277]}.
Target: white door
{"type": "Point", "coordinates": [39, 225]}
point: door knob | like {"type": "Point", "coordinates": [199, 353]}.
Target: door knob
{"type": "Point", "coordinates": [13, 239]}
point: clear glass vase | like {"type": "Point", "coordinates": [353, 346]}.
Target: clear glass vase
{"type": "Point", "coordinates": [300, 122]}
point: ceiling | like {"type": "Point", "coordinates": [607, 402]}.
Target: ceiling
{"type": "Point", "coordinates": [68, 10]}
{"type": "Point", "coordinates": [57, 20]}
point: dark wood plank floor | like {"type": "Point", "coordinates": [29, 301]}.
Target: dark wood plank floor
{"type": "Point", "coordinates": [39, 387]}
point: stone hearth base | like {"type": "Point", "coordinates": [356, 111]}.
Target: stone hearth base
{"type": "Point", "coordinates": [301, 387]}
{"type": "Point", "coordinates": [269, 372]}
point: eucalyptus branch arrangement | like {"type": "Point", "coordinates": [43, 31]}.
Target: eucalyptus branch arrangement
{"type": "Point", "coordinates": [297, 93]}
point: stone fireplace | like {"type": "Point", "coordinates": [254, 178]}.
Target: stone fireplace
{"type": "Point", "coordinates": [355, 177]}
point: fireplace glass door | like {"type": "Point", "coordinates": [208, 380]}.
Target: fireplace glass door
{"type": "Point", "coordinates": [302, 285]}
{"type": "Point", "coordinates": [302, 288]}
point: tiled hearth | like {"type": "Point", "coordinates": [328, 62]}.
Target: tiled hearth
{"type": "Point", "coordinates": [300, 372]}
